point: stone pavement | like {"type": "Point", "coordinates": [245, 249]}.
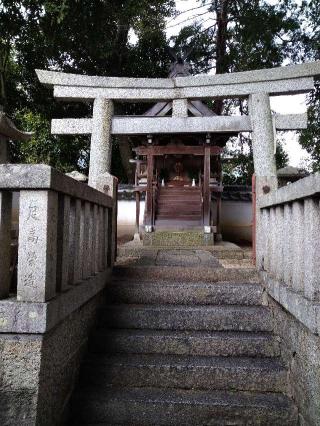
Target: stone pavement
{"type": "Point", "coordinates": [171, 257]}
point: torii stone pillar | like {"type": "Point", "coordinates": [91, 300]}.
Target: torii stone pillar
{"type": "Point", "coordinates": [263, 143]}
{"type": "Point", "coordinates": [101, 144]}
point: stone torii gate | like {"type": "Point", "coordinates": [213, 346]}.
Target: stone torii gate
{"type": "Point", "coordinates": [257, 86]}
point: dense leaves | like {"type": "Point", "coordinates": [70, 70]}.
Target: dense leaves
{"type": "Point", "coordinates": [85, 37]}
{"type": "Point", "coordinates": [128, 38]}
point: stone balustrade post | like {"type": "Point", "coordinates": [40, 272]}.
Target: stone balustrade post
{"type": "Point", "coordinates": [311, 250]}
{"type": "Point", "coordinates": [101, 144]}
{"type": "Point", "coordinates": [37, 246]}
{"type": "Point", "coordinates": [109, 185]}
{"type": "Point", "coordinates": [5, 242]}
{"type": "Point", "coordinates": [63, 242]}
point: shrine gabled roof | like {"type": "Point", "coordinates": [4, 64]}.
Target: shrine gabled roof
{"type": "Point", "coordinates": [9, 130]}
{"type": "Point", "coordinates": [197, 109]}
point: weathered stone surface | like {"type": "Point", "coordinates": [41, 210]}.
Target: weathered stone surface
{"type": "Point", "coordinates": [174, 257]}
{"type": "Point", "coordinates": [176, 317]}
{"type": "Point", "coordinates": [270, 74]}
{"type": "Point", "coordinates": [84, 126]}
{"type": "Point", "coordinates": [80, 177]}
{"type": "Point", "coordinates": [311, 253]}
{"type": "Point", "coordinates": [186, 372]}
{"type": "Point", "coordinates": [37, 246]}
{"type": "Point", "coordinates": [18, 407]}
{"type": "Point", "coordinates": [20, 359]}
{"type": "Point", "coordinates": [277, 87]}
{"type": "Point", "coordinates": [263, 137]}
{"type": "Point", "coordinates": [304, 310]}
{"type": "Point", "coordinates": [63, 240]}
{"type": "Point", "coordinates": [40, 176]}
{"type": "Point", "coordinates": [177, 239]}
{"type": "Point", "coordinates": [62, 351]}
{"type": "Point", "coordinates": [108, 184]}
{"type": "Point", "coordinates": [5, 242]}
{"type": "Point", "coordinates": [178, 124]}
{"type": "Point", "coordinates": [182, 274]}
{"type": "Point", "coordinates": [290, 121]}
{"type": "Point", "coordinates": [19, 317]}
{"type": "Point", "coordinates": [303, 188]}
{"type": "Point", "coordinates": [185, 293]}
{"type": "Point", "coordinates": [37, 373]}
{"type": "Point", "coordinates": [185, 407]}
{"type": "Point", "coordinates": [224, 343]}
{"type": "Point", "coordinates": [101, 148]}
{"type": "Point", "coordinates": [180, 108]}
{"type": "Point", "coordinates": [301, 350]}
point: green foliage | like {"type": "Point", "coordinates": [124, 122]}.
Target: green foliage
{"type": "Point", "coordinates": [93, 37]}
{"type": "Point", "coordinates": [60, 152]}
{"type": "Point", "coordinates": [244, 35]}
{"type": "Point", "coordinates": [238, 165]}
{"type": "Point", "coordinates": [310, 138]}
{"type": "Point", "coordinates": [84, 37]}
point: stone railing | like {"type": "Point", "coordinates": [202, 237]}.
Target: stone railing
{"type": "Point", "coordinates": [288, 248]}
{"type": "Point", "coordinates": [66, 245]}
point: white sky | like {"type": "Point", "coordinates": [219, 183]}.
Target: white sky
{"type": "Point", "coordinates": [280, 104]}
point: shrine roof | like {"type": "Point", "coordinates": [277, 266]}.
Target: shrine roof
{"type": "Point", "coordinates": [9, 130]}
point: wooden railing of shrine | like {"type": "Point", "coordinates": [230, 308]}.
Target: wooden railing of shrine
{"type": "Point", "coordinates": [66, 245]}
{"type": "Point", "coordinates": [288, 247]}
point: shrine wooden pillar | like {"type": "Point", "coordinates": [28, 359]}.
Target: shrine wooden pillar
{"type": "Point", "coordinates": [206, 190]}
{"type": "Point", "coordinates": [137, 211]}
{"type": "Point", "coordinates": [218, 219]}
{"type": "Point", "coordinates": [149, 193]}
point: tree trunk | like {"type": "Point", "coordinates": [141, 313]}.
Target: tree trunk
{"type": "Point", "coordinates": [221, 10]}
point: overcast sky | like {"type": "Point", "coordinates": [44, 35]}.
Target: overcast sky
{"type": "Point", "coordinates": [280, 104]}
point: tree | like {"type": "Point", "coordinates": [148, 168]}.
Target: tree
{"type": "Point", "coordinates": [84, 37]}
{"type": "Point", "coordinates": [241, 35]}
{"type": "Point", "coordinates": [310, 138]}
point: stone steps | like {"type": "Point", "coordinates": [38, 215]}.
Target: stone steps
{"type": "Point", "coordinates": [154, 406]}
{"type": "Point", "coordinates": [185, 275]}
{"type": "Point", "coordinates": [185, 372]}
{"type": "Point", "coordinates": [181, 317]}
{"type": "Point", "coordinates": [183, 345]}
{"type": "Point", "coordinates": [197, 293]}
{"type": "Point", "coordinates": [197, 343]}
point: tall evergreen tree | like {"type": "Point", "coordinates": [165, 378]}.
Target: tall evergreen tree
{"type": "Point", "coordinates": [242, 35]}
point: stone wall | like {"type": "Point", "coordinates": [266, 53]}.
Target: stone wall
{"type": "Point", "coordinates": [300, 349]}
{"type": "Point", "coordinates": [38, 372]}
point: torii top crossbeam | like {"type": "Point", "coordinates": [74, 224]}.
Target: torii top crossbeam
{"type": "Point", "coordinates": [256, 85]}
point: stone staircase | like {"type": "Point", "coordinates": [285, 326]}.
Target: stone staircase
{"type": "Point", "coordinates": [180, 344]}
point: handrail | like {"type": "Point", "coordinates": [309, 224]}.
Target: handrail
{"type": "Point", "coordinates": [66, 231]}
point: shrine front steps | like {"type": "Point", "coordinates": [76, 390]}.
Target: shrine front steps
{"type": "Point", "coordinates": [184, 346]}
{"type": "Point", "coordinates": [177, 233]}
